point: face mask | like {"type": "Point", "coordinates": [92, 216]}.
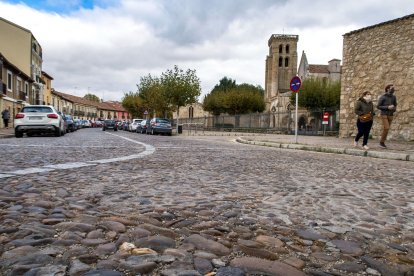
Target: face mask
{"type": "Point", "coordinates": [368, 98]}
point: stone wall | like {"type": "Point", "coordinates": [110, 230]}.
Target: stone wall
{"type": "Point", "coordinates": [372, 58]}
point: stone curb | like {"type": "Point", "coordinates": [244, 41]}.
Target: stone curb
{"type": "Point", "coordinates": [354, 152]}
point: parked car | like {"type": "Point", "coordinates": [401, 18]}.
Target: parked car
{"type": "Point", "coordinates": [70, 125]}
{"type": "Point", "coordinates": [86, 123]}
{"type": "Point", "coordinates": [77, 124]}
{"type": "Point", "coordinates": [125, 125]}
{"type": "Point", "coordinates": [38, 119]}
{"type": "Point", "coordinates": [159, 126]}
{"type": "Point", "coordinates": [109, 124]}
{"type": "Point", "coordinates": [98, 123]}
{"type": "Point", "coordinates": [142, 127]}
{"type": "Point", "coordinates": [134, 124]}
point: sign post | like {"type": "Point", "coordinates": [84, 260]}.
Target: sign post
{"type": "Point", "coordinates": [295, 84]}
{"type": "Point", "coordinates": [325, 121]}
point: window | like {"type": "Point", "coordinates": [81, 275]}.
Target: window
{"type": "Point", "coordinates": [191, 112]}
{"type": "Point", "coordinates": [34, 109]}
{"type": "Point", "coordinates": [286, 62]}
{"type": "Point", "coordinates": [9, 81]}
{"type": "Point", "coordinates": [287, 49]}
{"type": "Point", "coordinates": [280, 61]}
{"type": "Point", "coordinates": [19, 86]}
{"type": "Point", "coordinates": [26, 88]}
{"type": "Point", "coordinates": [280, 48]}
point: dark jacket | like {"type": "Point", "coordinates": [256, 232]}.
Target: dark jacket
{"type": "Point", "coordinates": [363, 107]}
{"type": "Point", "coordinates": [383, 103]}
{"type": "Point", "coordinates": [5, 114]}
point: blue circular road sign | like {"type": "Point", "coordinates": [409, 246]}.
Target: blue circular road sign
{"type": "Point", "coordinates": [295, 84]}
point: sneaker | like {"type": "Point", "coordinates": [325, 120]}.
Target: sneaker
{"type": "Point", "coordinates": [355, 143]}
{"type": "Point", "coordinates": [365, 147]}
{"type": "Point", "coordinates": [382, 145]}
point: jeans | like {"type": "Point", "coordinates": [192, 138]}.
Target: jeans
{"type": "Point", "coordinates": [363, 130]}
{"type": "Point", "coordinates": [386, 122]}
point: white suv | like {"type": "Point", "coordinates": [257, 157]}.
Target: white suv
{"type": "Point", "coordinates": [38, 119]}
{"type": "Point", "coordinates": [134, 124]}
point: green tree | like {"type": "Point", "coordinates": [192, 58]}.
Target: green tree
{"type": "Point", "coordinates": [153, 93]}
{"type": "Point", "coordinates": [133, 103]}
{"type": "Point", "coordinates": [317, 94]}
{"type": "Point", "coordinates": [92, 97]}
{"type": "Point", "coordinates": [225, 84]}
{"type": "Point", "coordinates": [180, 88]}
{"type": "Point", "coordinates": [234, 99]}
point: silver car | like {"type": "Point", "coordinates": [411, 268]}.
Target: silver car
{"type": "Point", "coordinates": [38, 119]}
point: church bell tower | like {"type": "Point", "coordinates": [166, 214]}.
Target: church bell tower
{"type": "Point", "coordinates": [281, 67]}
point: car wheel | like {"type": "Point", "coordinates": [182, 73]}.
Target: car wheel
{"type": "Point", "coordinates": [58, 133]}
{"type": "Point", "coordinates": [63, 133]}
{"type": "Point", "coordinates": [115, 129]}
{"type": "Point", "coordinates": [18, 134]}
{"type": "Point", "coordinates": [103, 129]}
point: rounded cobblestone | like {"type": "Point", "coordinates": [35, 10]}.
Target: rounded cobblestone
{"type": "Point", "coordinates": [199, 205]}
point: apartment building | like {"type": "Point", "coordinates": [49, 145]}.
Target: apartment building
{"type": "Point", "coordinates": [47, 91]}
{"type": "Point", "coordinates": [23, 50]}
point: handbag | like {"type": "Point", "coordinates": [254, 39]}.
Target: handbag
{"type": "Point", "coordinates": [365, 117]}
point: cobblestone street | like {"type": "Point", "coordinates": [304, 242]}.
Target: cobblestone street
{"type": "Point", "coordinates": [120, 203]}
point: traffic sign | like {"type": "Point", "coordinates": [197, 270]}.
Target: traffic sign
{"type": "Point", "coordinates": [325, 118]}
{"type": "Point", "coordinates": [295, 84]}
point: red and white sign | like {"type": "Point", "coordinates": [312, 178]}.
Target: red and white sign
{"type": "Point", "coordinates": [325, 119]}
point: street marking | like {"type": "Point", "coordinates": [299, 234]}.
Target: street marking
{"type": "Point", "coordinates": [55, 146]}
{"type": "Point", "coordinates": [74, 165]}
{"type": "Point", "coordinates": [30, 171]}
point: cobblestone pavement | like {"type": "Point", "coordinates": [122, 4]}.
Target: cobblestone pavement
{"type": "Point", "coordinates": [199, 205]}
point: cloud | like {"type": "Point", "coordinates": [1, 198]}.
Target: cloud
{"type": "Point", "coordinates": [107, 47]}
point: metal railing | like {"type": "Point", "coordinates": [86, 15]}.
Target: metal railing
{"type": "Point", "coordinates": [310, 122]}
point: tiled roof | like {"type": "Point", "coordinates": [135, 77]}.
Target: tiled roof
{"type": "Point", "coordinates": [111, 106]}
{"type": "Point", "coordinates": [318, 69]}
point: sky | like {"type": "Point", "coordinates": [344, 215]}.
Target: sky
{"type": "Point", "coordinates": [104, 47]}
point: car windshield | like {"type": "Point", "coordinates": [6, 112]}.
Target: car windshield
{"type": "Point", "coordinates": [109, 122]}
{"type": "Point", "coordinates": [163, 121]}
{"type": "Point", "coordinates": [40, 109]}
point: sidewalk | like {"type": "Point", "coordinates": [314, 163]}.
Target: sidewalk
{"type": "Point", "coordinates": [397, 150]}
{"type": "Point", "coordinates": [6, 132]}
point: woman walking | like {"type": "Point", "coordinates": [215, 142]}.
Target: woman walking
{"type": "Point", "coordinates": [365, 111]}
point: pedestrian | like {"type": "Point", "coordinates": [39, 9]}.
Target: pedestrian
{"type": "Point", "coordinates": [365, 111]}
{"type": "Point", "coordinates": [387, 103]}
{"type": "Point", "coordinates": [5, 114]}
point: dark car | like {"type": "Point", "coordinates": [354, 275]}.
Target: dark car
{"type": "Point", "coordinates": [71, 124]}
{"type": "Point", "coordinates": [142, 126]}
{"type": "Point", "coordinates": [109, 124]}
{"type": "Point", "coordinates": [125, 126]}
{"type": "Point", "coordinates": [159, 126]}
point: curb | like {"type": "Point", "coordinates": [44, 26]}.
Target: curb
{"type": "Point", "coordinates": [348, 151]}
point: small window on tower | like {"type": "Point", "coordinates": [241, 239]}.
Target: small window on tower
{"type": "Point", "coordinates": [287, 49]}
{"type": "Point", "coordinates": [280, 61]}
{"type": "Point", "coordinates": [286, 62]}
{"type": "Point", "coordinates": [280, 48]}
